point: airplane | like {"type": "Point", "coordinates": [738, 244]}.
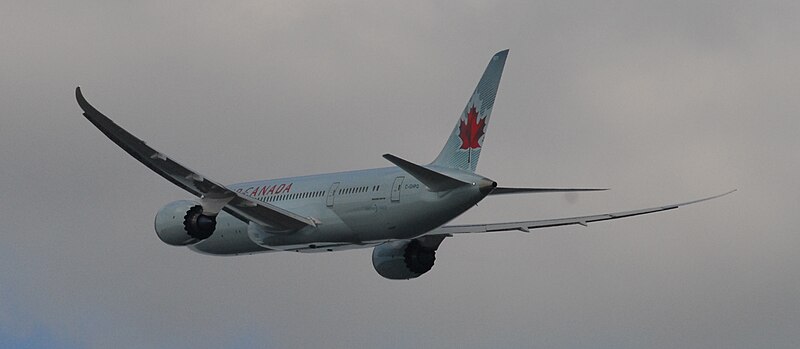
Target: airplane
{"type": "Point", "coordinates": [400, 211]}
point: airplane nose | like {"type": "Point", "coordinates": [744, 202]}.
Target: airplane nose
{"type": "Point", "coordinates": [486, 186]}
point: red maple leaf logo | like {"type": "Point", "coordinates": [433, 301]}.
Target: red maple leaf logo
{"type": "Point", "coordinates": [472, 130]}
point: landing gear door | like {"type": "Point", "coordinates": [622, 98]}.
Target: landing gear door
{"type": "Point", "coordinates": [332, 194]}
{"type": "Point", "coordinates": [398, 182]}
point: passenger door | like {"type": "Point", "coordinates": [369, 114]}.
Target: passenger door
{"type": "Point", "coordinates": [332, 194]}
{"type": "Point", "coordinates": [398, 182]}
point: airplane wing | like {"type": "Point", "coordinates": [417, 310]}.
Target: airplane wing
{"type": "Point", "coordinates": [525, 226]}
{"type": "Point", "coordinates": [214, 196]}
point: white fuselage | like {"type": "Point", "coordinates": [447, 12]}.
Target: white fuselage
{"type": "Point", "coordinates": [352, 209]}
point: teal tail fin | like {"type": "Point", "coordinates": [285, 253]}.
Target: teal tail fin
{"type": "Point", "coordinates": [463, 147]}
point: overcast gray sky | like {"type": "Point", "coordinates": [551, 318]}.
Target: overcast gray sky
{"type": "Point", "coordinates": [661, 101]}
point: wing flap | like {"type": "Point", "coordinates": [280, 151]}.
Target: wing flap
{"type": "Point", "coordinates": [525, 226]}
{"type": "Point", "coordinates": [215, 196]}
{"type": "Point", "coordinates": [266, 214]}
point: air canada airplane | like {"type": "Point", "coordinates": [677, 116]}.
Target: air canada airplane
{"type": "Point", "coordinates": [400, 211]}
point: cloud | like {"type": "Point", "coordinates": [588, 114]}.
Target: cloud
{"type": "Point", "coordinates": [661, 101]}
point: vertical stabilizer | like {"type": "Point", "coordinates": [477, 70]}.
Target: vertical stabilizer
{"type": "Point", "coordinates": [463, 147]}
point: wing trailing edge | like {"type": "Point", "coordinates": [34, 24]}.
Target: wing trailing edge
{"type": "Point", "coordinates": [525, 226]}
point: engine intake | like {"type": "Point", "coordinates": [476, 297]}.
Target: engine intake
{"type": "Point", "coordinates": [406, 259]}
{"type": "Point", "coordinates": [182, 223]}
{"type": "Point", "coordinates": [198, 225]}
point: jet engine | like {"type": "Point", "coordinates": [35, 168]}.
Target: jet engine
{"type": "Point", "coordinates": [405, 259]}
{"type": "Point", "coordinates": [182, 223]}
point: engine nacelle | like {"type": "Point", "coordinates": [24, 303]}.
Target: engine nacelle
{"type": "Point", "coordinates": [182, 223]}
{"type": "Point", "coordinates": [405, 259]}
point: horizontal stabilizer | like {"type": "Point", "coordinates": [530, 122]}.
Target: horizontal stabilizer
{"type": "Point", "coordinates": [504, 191]}
{"type": "Point", "coordinates": [435, 181]}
